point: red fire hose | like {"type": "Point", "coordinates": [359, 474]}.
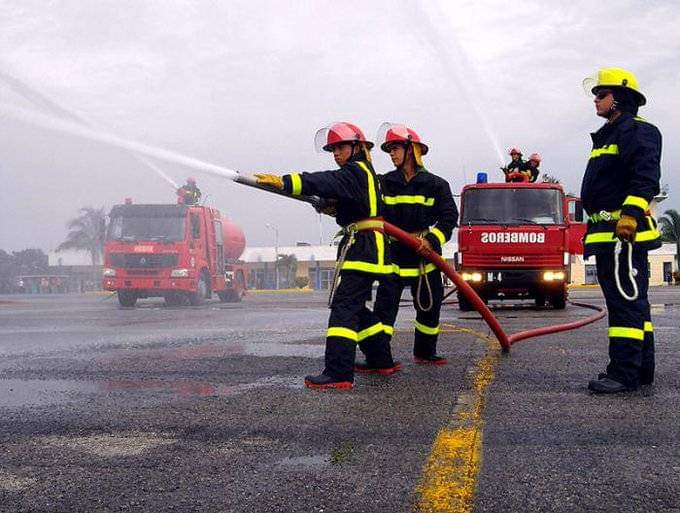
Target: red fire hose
{"type": "Point", "coordinates": [469, 293]}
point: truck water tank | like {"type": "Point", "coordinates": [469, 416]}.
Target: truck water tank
{"type": "Point", "coordinates": [234, 240]}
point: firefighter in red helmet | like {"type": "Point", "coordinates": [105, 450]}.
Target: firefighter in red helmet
{"type": "Point", "coordinates": [363, 253]}
{"type": "Point", "coordinates": [515, 165]}
{"type": "Point", "coordinates": [530, 167]}
{"type": "Point", "coordinates": [189, 193]}
{"type": "Point", "coordinates": [421, 203]}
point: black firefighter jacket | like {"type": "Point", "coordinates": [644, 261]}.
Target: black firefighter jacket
{"type": "Point", "coordinates": [357, 191]}
{"type": "Point", "coordinates": [622, 177]}
{"type": "Point", "coordinates": [424, 204]}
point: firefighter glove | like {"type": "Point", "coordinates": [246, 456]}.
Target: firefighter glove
{"type": "Point", "coordinates": [424, 247]}
{"type": "Point", "coordinates": [270, 180]}
{"type": "Point", "coordinates": [626, 228]}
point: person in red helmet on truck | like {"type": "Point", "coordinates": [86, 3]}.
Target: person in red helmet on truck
{"type": "Point", "coordinates": [363, 253]}
{"type": "Point", "coordinates": [530, 167]}
{"type": "Point", "coordinates": [421, 203]}
{"type": "Point", "coordinates": [189, 193]}
{"type": "Point", "coordinates": [515, 164]}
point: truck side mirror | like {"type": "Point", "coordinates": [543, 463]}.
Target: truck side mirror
{"type": "Point", "coordinates": [575, 211]}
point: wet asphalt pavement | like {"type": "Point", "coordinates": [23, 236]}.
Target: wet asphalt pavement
{"type": "Point", "coordinates": [202, 409]}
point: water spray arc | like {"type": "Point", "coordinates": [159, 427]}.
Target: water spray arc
{"type": "Point", "coordinates": [42, 101]}
{"type": "Point", "coordinates": [441, 36]}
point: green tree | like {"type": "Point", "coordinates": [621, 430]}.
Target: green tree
{"type": "Point", "coordinates": [670, 231]}
{"type": "Point", "coordinates": [288, 265]}
{"type": "Point", "coordinates": [87, 232]}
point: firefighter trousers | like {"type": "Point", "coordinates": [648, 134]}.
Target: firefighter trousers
{"type": "Point", "coordinates": [427, 320]}
{"type": "Point", "coordinates": [631, 334]}
{"type": "Point", "coordinates": [351, 322]}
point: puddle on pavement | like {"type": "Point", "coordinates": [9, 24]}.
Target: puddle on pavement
{"type": "Point", "coordinates": [315, 462]}
{"type": "Point", "coordinates": [199, 389]}
{"type": "Point", "coordinates": [38, 392]}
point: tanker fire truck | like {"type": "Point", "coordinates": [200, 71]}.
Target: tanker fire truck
{"type": "Point", "coordinates": [515, 241]}
{"type": "Point", "coordinates": [182, 253]}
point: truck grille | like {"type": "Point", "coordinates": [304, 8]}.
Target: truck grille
{"type": "Point", "coordinates": [486, 261]}
{"type": "Point", "coordinates": [143, 260]}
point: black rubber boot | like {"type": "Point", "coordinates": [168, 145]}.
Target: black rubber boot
{"type": "Point", "coordinates": [430, 360]}
{"type": "Point", "coordinates": [366, 368]}
{"type": "Point", "coordinates": [323, 381]}
{"type": "Point", "coordinates": [607, 385]}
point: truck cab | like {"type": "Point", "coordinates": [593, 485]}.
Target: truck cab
{"type": "Point", "coordinates": [172, 251]}
{"type": "Point", "coordinates": [515, 241]}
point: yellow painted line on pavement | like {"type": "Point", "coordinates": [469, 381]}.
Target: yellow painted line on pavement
{"type": "Point", "coordinates": [450, 474]}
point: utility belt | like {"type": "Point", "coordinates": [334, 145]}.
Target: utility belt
{"type": "Point", "coordinates": [614, 215]}
{"type": "Point", "coordinates": [374, 224]}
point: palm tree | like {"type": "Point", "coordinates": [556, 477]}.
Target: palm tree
{"type": "Point", "coordinates": [87, 232]}
{"type": "Point", "coordinates": [288, 265]}
{"type": "Point", "coordinates": [670, 231]}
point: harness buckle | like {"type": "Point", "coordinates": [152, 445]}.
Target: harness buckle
{"type": "Point", "coordinates": [605, 216]}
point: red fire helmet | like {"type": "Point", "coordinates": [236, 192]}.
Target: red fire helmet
{"type": "Point", "coordinates": [191, 180]}
{"type": "Point", "coordinates": [336, 133]}
{"type": "Point", "coordinates": [536, 157]}
{"type": "Point", "coordinates": [395, 132]}
{"type": "Point", "coordinates": [514, 151]}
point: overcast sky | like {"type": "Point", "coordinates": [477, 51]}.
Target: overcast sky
{"type": "Point", "coordinates": [245, 84]}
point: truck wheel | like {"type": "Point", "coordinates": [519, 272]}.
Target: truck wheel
{"type": "Point", "coordinates": [202, 292]}
{"type": "Point", "coordinates": [559, 301]}
{"type": "Point", "coordinates": [127, 298]}
{"type": "Point", "coordinates": [463, 304]}
{"type": "Point", "coordinates": [229, 296]}
{"type": "Point", "coordinates": [173, 299]}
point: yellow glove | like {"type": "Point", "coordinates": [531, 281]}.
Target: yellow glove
{"type": "Point", "coordinates": [270, 180]}
{"type": "Point", "coordinates": [626, 228]}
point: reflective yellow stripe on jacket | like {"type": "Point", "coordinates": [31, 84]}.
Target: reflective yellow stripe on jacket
{"type": "Point", "coordinates": [609, 149]}
{"type": "Point", "coordinates": [377, 268]}
{"type": "Point", "coordinates": [372, 197]}
{"type": "Point", "coordinates": [408, 200]}
{"type": "Point", "coordinates": [296, 184]}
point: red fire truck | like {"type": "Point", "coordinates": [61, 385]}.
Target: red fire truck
{"type": "Point", "coordinates": [182, 253]}
{"type": "Point", "coordinates": [515, 241]}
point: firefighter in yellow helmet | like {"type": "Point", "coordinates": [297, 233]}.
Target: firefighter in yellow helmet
{"type": "Point", "coordinates": [363, 253]}
{"type": "Point", "coordinates": [621, 179]}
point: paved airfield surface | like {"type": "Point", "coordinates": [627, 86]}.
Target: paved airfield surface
{"type": "Point", "coordinates": [159, 409]}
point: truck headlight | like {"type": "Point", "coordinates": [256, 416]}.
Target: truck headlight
{"type": "Point", "coordinates": [179, 273]}
{"type": "Point", "coordinates": [476, 277]}
{"type": "Point", "coordinates": [553, 276]}
{"type": "Point", "coordinates": [108, 272]}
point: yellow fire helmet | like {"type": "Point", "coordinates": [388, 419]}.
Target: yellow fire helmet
{"type": "Point", "coordinates": [614, 77]}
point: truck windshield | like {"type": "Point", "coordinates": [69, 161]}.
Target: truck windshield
{"type": "Point", "coordinates": [134, 228]}
{"type": "Point", "coordinates": [512, 206]}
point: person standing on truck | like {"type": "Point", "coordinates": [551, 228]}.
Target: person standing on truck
{"type": "Point", "coordinates": [515, 164]}
{"type": "Point", "coordinates": [530, 167]}
{"type": "Point", "coordinates": [363, 253]}
{"type": "Point", "coordinates": [419, 202]}
{"type": "Point", "coordinates": [621, 178]}
{"type": "Point", "coordinates": [189, 193]}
